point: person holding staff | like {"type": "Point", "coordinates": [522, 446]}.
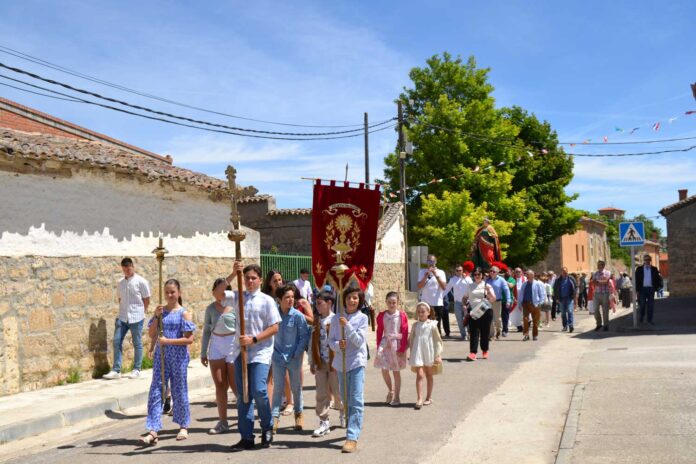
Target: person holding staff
{"type": "Point", "coordinates": [177, 334]}
{"type": "Point", "coordinates": [261, 319]}
{"type": "Point", "coordinates": [354, 324]}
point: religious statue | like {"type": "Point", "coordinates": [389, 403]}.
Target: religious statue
{"type": "Point", "coordinates": [486, 247]}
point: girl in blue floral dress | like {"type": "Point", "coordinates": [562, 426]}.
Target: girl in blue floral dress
{"type": "Point", "coordinates": [177, 335]}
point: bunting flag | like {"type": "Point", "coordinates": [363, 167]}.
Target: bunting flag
{"type": "Point", "coordinates": [689, 112]}
{"type": "Point", "coordinates": [606, 139]}
{"type": "Point", "coordinates": [656, 126]}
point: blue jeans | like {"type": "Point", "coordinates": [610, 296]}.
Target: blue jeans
{"type": "Point", "coordinates": [294, 368]}
{"type": "Point", "coordinates": [565, 305]}
{"type": "Point", "coordinates": [257, 375]}
{"type": "Point", "coordinates": [356, 387]}
{"type": "Point", "coordinates": [120, 332]}
{"type": "Point", "coordinates": [646, 299]}
{"type": "Point", "coordinates": [459, 314]}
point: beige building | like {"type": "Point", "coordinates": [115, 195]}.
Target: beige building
{"type": "Point", "coordinates": [579, 251]}
{"type": "Point", "coordinates": [681, 230]}
{"type": "Point", "coordinates": [74, 202]}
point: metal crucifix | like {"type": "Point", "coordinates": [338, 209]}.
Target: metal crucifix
{"type": "Point", "coordinates": [237, 235]}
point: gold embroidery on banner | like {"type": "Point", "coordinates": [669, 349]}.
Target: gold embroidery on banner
{"type": "Point", "coordinates": [343, 232]}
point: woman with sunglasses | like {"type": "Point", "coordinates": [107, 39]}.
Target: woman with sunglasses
{"type": "Point", "coordinates": [479, 294]}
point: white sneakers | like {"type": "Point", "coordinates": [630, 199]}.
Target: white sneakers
{"type": "Point", "coordinates": [221, 427]}
{"type": "Point", "coordinates": [324, 429]}
{"type": "Point", "coordinates": [113, 375]}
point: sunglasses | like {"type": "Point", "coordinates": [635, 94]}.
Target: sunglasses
{"type": "Point", "coordinates": [477, 274]}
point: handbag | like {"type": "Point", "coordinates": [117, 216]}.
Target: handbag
{"type": "Point", "coordinates": [480, 309]}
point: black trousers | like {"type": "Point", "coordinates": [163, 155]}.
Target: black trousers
{"type": "Point", "coordinates": [554, 308]}
{"type": "Point", "coordinates": [582, 299]}
{"type": "Point", "coordinates": [480, 329]}
{"type": "Point", "coordinates": [442, 319]}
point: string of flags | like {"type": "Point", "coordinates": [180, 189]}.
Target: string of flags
{"type": "Point", "coordinates": [655, 127]}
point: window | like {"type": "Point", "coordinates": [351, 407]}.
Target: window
{"type": "Point", "coordinates": [577, 253]}
{"type": "Point", "coordinates": [583, 253]}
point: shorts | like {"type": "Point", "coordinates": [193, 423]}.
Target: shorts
{"type": "Point", "coordinates": [226, 348]}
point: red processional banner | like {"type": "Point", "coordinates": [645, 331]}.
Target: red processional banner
{"type": "Point", "coordinates": [344, 231]}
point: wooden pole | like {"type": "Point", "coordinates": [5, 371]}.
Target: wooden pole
{"type": "Point", "coordinates": [367, 153]}
{"type": "Point", "coordinates": [237, 235]}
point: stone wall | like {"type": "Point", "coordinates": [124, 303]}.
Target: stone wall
{"type": "Point", "coordinates": [681, 230]}
{"type": "Point", "coordinates": [57, 314]}
{"type": "Point", "coordinates": [288, 231]}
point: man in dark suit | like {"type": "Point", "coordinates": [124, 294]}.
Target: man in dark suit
{"type": "Point", "coordinates": [648, 280]}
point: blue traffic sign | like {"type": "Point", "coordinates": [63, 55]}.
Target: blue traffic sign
{"type": "Point", "coordinates": [631, 234]}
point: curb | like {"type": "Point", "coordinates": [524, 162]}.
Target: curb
{"type": "Point", "coordinates": [39, 425]}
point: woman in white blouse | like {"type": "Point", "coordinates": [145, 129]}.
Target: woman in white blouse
{"type": "Point", "coordinates": [479, 296]}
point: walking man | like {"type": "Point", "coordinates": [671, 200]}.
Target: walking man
{"type": "Point", "coordinates": [458, 284]}
{"type": "Point", "coordinates": [565, 288]}
{"type": "Point", "coordinates": [133, 300]}
{"type": "Point", "coordinates": [532, 295]}
{"type": "Point", "coordinates": [431, 283]}
{"type": "Point", "coordinates": [502, 293]}
{"type": "Point", "coordinates": [648, 280]}
{"type": "Point", "coordinates": [602, 292]}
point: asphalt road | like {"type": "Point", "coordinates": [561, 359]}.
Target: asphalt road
{"type": "Point", "coordinates": [392, 434]}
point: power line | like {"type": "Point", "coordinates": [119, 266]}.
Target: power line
{"type": "Point", "coordinates": [595, 155]}
{"type": "Point", "coordinates": [39, 93]}
{"type": "Point", "coordinates": [184, 118]}
{"type": "Point", "coordinates": [65, 70]}
{"type": "Point", "coordinates": [154, 118]}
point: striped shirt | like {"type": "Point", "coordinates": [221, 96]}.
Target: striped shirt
{"type": "Point", "coordinates": [601, 282]}
{"type": "Point", "coordinates": [131, 293]}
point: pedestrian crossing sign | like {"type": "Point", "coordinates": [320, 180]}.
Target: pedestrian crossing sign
{"type": "Point", "coordinates": [631, 234]}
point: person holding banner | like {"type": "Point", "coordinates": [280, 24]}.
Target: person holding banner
{"type": "Point", "coordinates": [354, 346]}
{"type": "Point", "coordinates": [261, 319]}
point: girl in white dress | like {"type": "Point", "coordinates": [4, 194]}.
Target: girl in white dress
{"type": "Point", "coordinates": [425, 346]}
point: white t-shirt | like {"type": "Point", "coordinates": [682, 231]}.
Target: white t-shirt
{"type": "Point", "coordinates": [305, 289]}
{"type": "Point", "coordinates": [431, 292]}
{"type": "Point", "coordinates": [458, 286]}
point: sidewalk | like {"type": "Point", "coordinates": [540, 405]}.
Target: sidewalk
{"type": "Point", "coordinates": [31, 413]}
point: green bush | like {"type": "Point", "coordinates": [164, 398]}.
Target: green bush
{"type": "Point", "coordinates": [73, 375]}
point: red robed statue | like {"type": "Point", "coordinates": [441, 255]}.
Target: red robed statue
{"type": "Point", "coordinates": [486, 247]}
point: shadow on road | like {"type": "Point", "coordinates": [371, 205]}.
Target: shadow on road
{"type": "Point", "coordinates": [671, 316]}
{"type": "Point", "coordinates": [120, 416]}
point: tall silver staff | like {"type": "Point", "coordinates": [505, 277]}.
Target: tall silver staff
{"type": "Point", "coordinates": [159, 252]}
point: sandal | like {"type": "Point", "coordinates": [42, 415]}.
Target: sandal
{"type": "Point", "coordinates": [182, 435]}
{"type": "Point", "coordinates": [427, 402]}
{"type": "Point", "coordinates": [150, 439]}
{"type": "Point", "coordinates": [289, 409]}
{"type": "Point", "coordinates": [395, 402]}
{"type": "Point", "coordinates": [390, 397]}
{"type": "Point", "coordinates": [418, 405]}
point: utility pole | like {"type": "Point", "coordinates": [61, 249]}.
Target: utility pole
{"type": "Point", "coordinates": [367, 154]}
{"type": "Point", "coordinates": [402, 182]}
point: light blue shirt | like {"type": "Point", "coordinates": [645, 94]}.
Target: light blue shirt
{"type": "Point", "coordinates": [538, 292]}
{"type": "Point", "coordinates": [356, 341]}
{"type": "Point", "coordinates": [500, 288]}
{"type": "Point", "coordinates": [260, 313]}
{"type": "Point", "coordinates": [292, 336]}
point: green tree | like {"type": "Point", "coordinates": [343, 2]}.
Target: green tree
{"type": "Point", "coordinates": [455, 128]}
{"type": "Point", "coordinates": [612, 231]}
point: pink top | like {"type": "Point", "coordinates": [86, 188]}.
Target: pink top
{"type": "Point", "coordinates": [404, 330]}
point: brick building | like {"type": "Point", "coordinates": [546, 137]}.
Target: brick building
{"type": "Point", "coordinates": [681, 230]}
{"type": "Point", "coordinates": [74, 202]}
{"type": "Point", "coordinates": [579, 251]}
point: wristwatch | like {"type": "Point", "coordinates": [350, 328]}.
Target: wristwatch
{"type": "Point", "coordinates": [256, 340]}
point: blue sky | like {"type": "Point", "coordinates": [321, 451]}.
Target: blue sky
{"type": "Point", "coordinates": [586, 67]}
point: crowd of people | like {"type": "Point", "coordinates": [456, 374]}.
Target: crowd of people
{"type": "Point", "coordinates": [284, 320]}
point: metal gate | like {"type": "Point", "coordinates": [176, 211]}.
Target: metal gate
{"type": "Point", "coordinates": [288, 265]}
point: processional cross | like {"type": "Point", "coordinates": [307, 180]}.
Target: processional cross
{"type": "Point", "coordinates": [237, 235]}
